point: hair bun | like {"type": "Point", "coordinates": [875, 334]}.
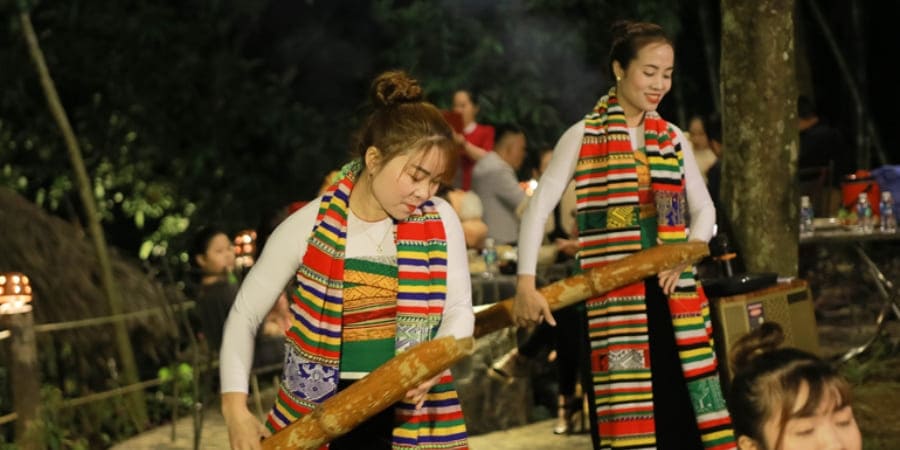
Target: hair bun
{"type": "Point", "coordinates": [395, 87]}
{"type": "Point", "coordinates": [767, 337]}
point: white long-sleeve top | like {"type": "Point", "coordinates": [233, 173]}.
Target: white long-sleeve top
{"type": "Point", "coordinates": [282, 256]}
{"type": "Point", "coordinates": [561, 170]}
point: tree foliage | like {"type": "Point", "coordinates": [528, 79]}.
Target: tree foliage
{"type": "Point", "coordinates": [221, 112]}
{"type": "Point", "coordinates": [174, 121]}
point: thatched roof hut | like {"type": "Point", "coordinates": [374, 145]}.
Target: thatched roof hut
{"type": "Point", "coordinates": [61, 262]}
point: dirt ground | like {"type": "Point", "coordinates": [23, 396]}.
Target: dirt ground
{"type": "Point", "coordinates": [875, 378]}
{"type": "Point", "coordinates": [847, 305]}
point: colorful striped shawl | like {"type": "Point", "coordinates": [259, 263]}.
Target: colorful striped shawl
{"type": "Point", "coordinates": [609, 225]}
{"type": "Point", "coordinates": [313, 350]}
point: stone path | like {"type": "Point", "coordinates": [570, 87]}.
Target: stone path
{"type": "Point", "coordinates": [535, 436]}
{"type": "Point", "coordinates": [214, 435]}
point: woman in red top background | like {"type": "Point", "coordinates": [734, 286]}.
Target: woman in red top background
{"type": "Point", "coordinates": [476, 140]}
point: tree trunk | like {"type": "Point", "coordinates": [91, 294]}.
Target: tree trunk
{"type": "Point", "coordinates": [137, 407]}
{"type": "Point", "coordinates": [759, 109]}
{"type": "Point", "coordinates": [25, 379]}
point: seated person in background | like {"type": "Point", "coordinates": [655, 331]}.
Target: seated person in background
{"type": "Point", "coordinates": [213, 257]}
{"type": "Point", "coordinates": [821, 144]}
{"type": "Point", "coordinates": [787, 399]}
{"type": "Point", "coordinates": [476, 139]}
{"type": "Point", "coordinates": [494, 180]}
{"type": "Point", "coordinates": [713, 175]}
{"type": "Point", "coordinates": [705, 155]}
{"type": "Point", "coordinates": [213, 262]}
{"type": "Point", "coordinates": [468, 206]}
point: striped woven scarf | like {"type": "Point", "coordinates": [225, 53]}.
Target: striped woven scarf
{"type": "Point", "coordinates": [609, 214]}
{"type": "Point", "coordinates": [312, 360]}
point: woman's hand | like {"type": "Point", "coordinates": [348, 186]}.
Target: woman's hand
{"type": "Point", "coordinates": [529, 306]}
{"type": "Point", "coordinates": [417, 394]}
{"type": "Point", "coordinates": [567, 246]}
{"type": "Point", "coordinates": [668, 279]}
{"type": "Point", "coordinates": [245, 432]}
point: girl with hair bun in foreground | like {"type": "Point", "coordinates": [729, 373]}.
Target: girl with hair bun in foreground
{"type": "Point", "coordinates": [787, 399]}
{"type": "Point", "coordinates": [378, 265]}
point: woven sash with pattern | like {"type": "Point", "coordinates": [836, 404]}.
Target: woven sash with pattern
{"type": "Point", "coordinates": [313, 342]}
{"type": "Point", "coordinates": [609, 215]}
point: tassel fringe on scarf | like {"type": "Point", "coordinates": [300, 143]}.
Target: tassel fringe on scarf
{"type": "Point", "coordinates": [609, 225]}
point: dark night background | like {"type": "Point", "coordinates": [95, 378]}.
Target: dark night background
{"type": "Point", "coordinates": [223, 112]}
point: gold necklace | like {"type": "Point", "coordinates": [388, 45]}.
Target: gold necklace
{"type": "Point", "coordinates": [379, 244]}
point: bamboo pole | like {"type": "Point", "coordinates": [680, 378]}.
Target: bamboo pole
{"type": "Point", "coordinates": [596, 281]}
{"type": "Point", "coordinates": [387, 384]}
{"type": "Point", "coordinates": [370, 395]}
{"type": "Point", "coordinates": [104, 320]}
{"type": "Point", "coordinates": [138, 407]}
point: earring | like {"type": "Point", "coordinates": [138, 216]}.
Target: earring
{"type": "Point", "coordinates": [618, 78]}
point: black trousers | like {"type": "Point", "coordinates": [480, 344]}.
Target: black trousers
{"type": "Point", "coordinates": [676, 424]}
{"type": "Point", "coordinates": [374, 434]}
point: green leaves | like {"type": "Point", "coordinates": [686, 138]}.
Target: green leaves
{"type": "Point", "coordinates": [171, 114]}
{"type": "Point", "coordinates": [241, 107]}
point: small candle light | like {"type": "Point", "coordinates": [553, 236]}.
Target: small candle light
{"type": "Point", "coordinates": [15, 293]}
{"type": "Point", "coordinates": [245, 248]}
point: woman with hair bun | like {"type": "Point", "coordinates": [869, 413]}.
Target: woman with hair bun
{"type": "Point", "coordinates": [653, 379]}
{"type": "Point", "coordinates": [378, 265]}
{"type": "Point", "coordinates": [787, 399]}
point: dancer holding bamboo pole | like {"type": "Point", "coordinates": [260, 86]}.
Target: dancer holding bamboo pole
{"type": "Point", "coordinates": [379, 265]}
{"type": "Point", "coordinates": [654, 382]}
{"type": "Point", "coordinates": [387, 384]}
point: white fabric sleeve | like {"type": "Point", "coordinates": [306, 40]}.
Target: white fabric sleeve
{"type": "Point", "coordinates": [458, 318]}
{"type": "Point", "coordinates": [700, 205]}
{"type": "Point", "coordinates": [278, 263]}
{"type": "Point", "coordinates": [549, 190]}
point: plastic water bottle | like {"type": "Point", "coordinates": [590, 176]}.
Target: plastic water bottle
{"type": "Point", "coordinates": [888, 219]}
{"type": "Point", "coordinates": [806, 216]}
{"type": "Point", "coordinates": [489, 253]}
{"type": "Point", "coordinates": [864, 214]}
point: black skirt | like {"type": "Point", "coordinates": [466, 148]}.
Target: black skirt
{"type": "Point", "coordinates": [676, 424]}
{"type": "Point", "coordinates": [375, 433]}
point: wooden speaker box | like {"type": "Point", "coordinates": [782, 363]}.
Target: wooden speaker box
{"type": "Point", "coordinates": [790, 304]}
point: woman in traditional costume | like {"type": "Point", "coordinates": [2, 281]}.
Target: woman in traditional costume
{"type": "Point", "coordinates": [654, 382]}
{"type": "Point", "coordinates": [379, 265]}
